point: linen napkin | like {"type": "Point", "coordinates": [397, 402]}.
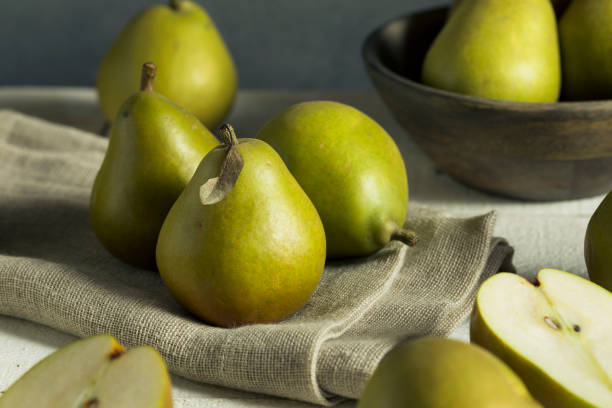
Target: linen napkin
{"type": "Point", "coordinates": [54, 271]}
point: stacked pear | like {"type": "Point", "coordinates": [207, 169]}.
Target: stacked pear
{"type": "Point", "coordinates": [441, 373]}
{"type": "Point", "coordinates": [350, 168]}
{"type": "Point", "coordinates": [586, 42]}
{"type": "Point", "coordinates": [154, 149]}
{"type": "Point", "coordinates": [94, 372]}
{"type": "Point", "coordinates": [555, 334]}
{"type": "Point", "coordinates": [598, 244]}
{"type": "Point", "coordinates": [196, 70]}
{"type": "Point", "coordinates": [243, 243]}
{"type": "Point", "coordinates": [497, 49]}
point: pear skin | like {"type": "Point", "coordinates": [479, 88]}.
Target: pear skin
{"type": "Point", "coordinates": [497, 49]}
{"type": "Point", "coordinates": [154, 148]}
{"type": "Point", "coordinates": [196, 70]}
{"type": "Point", "coordinates": [598, 244]}
{"type": "Point", "coordinates": [350, 168]}
{"type": "Point", "coordinates": [585, 32]}
{"type": "Point", "coordinates": [439, 373]}
{"type": "Point", "coordinates": [253, 254]}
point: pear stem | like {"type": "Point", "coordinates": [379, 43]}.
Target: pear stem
{"type": "Point", "coordinates": [147, 76]}
{"type": "Point", "coordinates": [408, 237]}
{"type": "Point", "coordinates": [175, 4]}
{"type": "Point", "coordinates": [228, 135]}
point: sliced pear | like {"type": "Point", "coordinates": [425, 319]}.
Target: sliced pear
{"type": "Point", "coordinates": [94, 372]}
{"type": "Point", "coordinates": [556, 334]}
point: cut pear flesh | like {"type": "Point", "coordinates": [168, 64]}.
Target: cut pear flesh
{"type": "Point", "coordinates": [556, 334]}
{"type": "Point", "coordinates": [95, 372]}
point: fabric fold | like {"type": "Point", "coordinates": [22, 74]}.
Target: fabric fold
{"type": "Point", "coordinates": [54, 271]}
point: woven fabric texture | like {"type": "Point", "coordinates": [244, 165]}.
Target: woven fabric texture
{"type": "Point", "coordinates": [54, 271]}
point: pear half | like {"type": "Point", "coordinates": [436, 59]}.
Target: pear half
{"type": "Point", "coordinates": [556, 334]}
{"type": "Point", "coordinates": [94, 372]}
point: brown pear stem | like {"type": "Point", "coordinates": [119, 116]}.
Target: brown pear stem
{"type": "Point", "coordinates": [408, 237]}
{"type": "Point", "coordinates": [148, 74]}
{"type": "Point", "coordinates": [228, 135]}
{"type": "Point", "coordinates": [175, 4]}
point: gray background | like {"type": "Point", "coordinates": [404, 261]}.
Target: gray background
{"type": "Point", "coordinates": [282, 44]}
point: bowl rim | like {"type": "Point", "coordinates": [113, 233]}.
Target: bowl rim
{"type": "Point", "coordinates": [370, 57]}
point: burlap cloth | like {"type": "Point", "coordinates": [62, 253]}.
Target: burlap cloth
{"type": "Point", "coordinates": [54, 271]}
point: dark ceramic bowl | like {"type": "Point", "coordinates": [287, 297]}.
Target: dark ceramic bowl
{"type": "Point", "coordinates": [535, 151]}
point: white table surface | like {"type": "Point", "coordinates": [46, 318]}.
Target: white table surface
{"type": "Point", "coordinates": [543, 234]}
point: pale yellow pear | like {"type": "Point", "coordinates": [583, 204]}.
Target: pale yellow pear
{"type": "Point", "coordinates": [500, 49]}
{"type": "Point", "coordinates": [196, 70]}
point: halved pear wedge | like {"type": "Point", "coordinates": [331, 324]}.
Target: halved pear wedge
{"type": "Point", "coordinates": [556, 334]}
{"type": "Point", "coordinates": [94, 372]}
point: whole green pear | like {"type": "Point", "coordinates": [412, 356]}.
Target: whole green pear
{"type": "Point", "coordinates": [196, 70]}
{"type": "Point", "coordinates": [598, 244]}
{"type": "Point", "coordinates": [350, 168]}
{"type": "Point", "coordinates": [255, 253]}
{"type": "Point", "coordinates": [497, 49]}
{"type": "Point", "coordinates": [585, 32]}
{"type": "Point", "coordinates": [154, 148]}
{"type": "Point", "coordinates": [440, 373]}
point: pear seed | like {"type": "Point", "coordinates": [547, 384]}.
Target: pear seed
{"type": "Point", "coordinates": [92, 403]}
{"type": "Point", "coordinates": [552, 323]}
{"type": "Point", "coordinates": [576, 328]}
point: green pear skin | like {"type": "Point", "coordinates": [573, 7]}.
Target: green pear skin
{"type": "Point", "coordinates": [439, 373]}
{"type": "Point", "coordinates": [499, 49]}
{"type": "Point", "coordinates": [256, 256]}
{"type": "Point", "coordinates": [196, 70]}
{"type": "Point", "coordinates": [585, 33]}
{"type": "Point", "coordinates": [350, 168]}
{"type": "Point", "coordinates": [598, 244]}
{"type": "Point", "coordinates": [154, 148]}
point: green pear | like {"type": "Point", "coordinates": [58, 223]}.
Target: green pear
{"type": "Point", "coordinates": [585, 32]}
{"type": "Point", "coordinates": [598, 244]}
{"type": "Point", "coordinates": [440, 373]}
{"type": "Point", "coordinates": [555, 334]}
{"type": "Point", "coordinates": [196, 70]}
{"type": "Point", "coordinates": [350, 168]}
{"type": "Point", "coordinates": [243, 244]}
{"type": "Point", "coordinates": [94, 372]}
{"type": "Point", "coordinates": [497, 49]}
{"type": "Point", "coordinates": [154, 148]}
